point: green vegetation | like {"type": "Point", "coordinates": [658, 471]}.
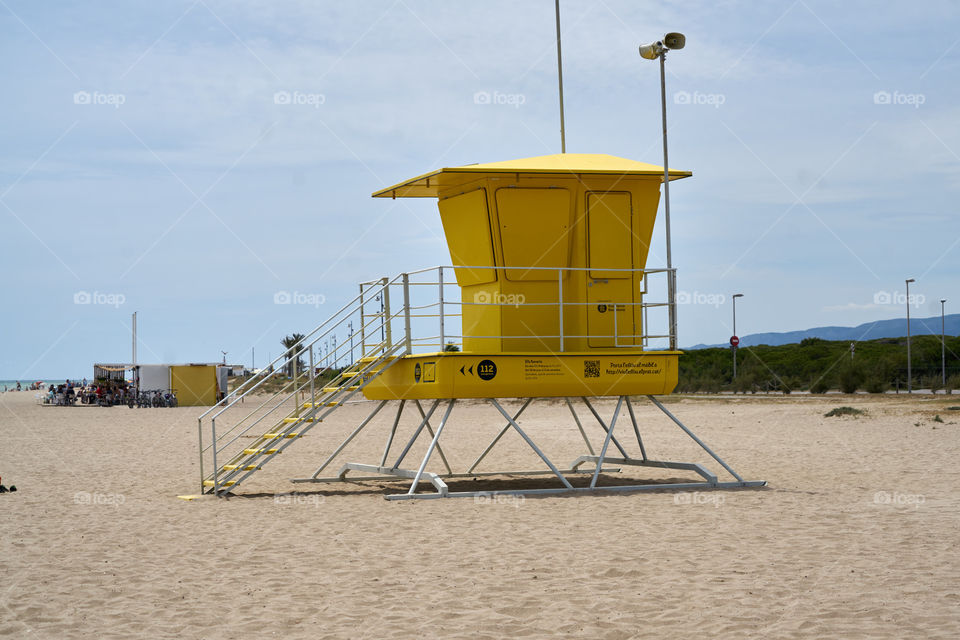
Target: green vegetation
{"type": "Point", "coordinates": [843, 411]}
{"type": "Point", "coordinates": [819, 366]}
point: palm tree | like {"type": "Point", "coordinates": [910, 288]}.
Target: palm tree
{"type": "Point", "coordinates": [293, 346]}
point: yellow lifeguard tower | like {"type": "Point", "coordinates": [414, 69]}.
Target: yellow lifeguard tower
{"type": "Point", "coordinates": [546, 297]}
{"type": "Point", "coordinates": [551, 254]}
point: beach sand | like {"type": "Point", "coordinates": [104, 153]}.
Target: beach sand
{"type": "Point", "coordinates": [856, 535]}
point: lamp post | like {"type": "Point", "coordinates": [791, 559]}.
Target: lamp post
{"type": "Point", "coordinates": [654, 51]}
{"type": "Point", "coordinates": [909, 369]}
{"type": "Point", "coordinates": [735, 296]}
{"type": "Point", "coordinates": [943, 343]}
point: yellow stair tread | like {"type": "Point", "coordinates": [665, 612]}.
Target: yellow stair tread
{"type": "Point", "coordinates": [275, 436]}
{"type": "Point", "coordinates": [231, 467]}
{"type": "Point", "coordinates": [333, 389]}
{"type": "Point", "coordinates": [375, 358]}
{"type": "Point", "coordinates": [291, 421]}
{"type": "Point", "coordinates": [311, 405]}
{"type": "Point", "coordinates": [251, 452]}
{"type": "Point", "coordinates": [209, 483]}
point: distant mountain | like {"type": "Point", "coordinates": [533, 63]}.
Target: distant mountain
{"type": "Point", "coordinates": [868, 331]}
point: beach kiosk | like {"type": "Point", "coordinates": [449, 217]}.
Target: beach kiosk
{"type": "Point", "coordinates": [547, 297]}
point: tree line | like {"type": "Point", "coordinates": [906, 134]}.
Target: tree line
{"type": "Point", "coordinates": [819, 366]}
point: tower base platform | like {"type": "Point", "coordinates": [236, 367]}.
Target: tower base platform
{"type": "Point", "coordinates": [582, 475]}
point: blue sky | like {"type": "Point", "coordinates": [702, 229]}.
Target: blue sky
{"type": "Point", "coordinates": [144, 157]}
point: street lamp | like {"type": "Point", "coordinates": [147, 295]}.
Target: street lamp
{"type": "Point", "coordinates": [909, 370]}
{"type": "Point", "coordinates": [735, 296]}
{"type": "Point", "coordinates": [943, 343]}
{"type": "Point", "coordinates": [654, 51]}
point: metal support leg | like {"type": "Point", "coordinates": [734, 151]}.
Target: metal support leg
{"type": "Point", "coordinates": [393, 432]}
{"type": "Point", "coordinates": [531, 443]}
{"type": "Point", "coordinates": [576, 419]}
{"type": "Point", "coordinates": [695, 438]}
{"type": "Point", "coordinates": [636, 429]}
{"type": "Point", "coordinates": [433, 445]}
{"type": "Point", "coordinates": [606, 443]}
{"type": "Point", "coordinates": [343, 444]}
{"type": "Point", "coordinates": [604, 426]}
{"type": "Point", "coordinates": [430, 431]}
{"type": "Point", "coordinates": [499, 435]}
{"type": "Point", "coordinates": [416, 434]}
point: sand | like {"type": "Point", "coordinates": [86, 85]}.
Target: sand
{"type": "Point", "coordinates": [855, 536]}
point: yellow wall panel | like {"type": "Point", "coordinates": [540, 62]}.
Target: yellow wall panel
{"type": "Point", "coordinates": [196, 386]}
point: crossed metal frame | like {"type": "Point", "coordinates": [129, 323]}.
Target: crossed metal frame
{"type": "Point", "coordinates": [595, 462]}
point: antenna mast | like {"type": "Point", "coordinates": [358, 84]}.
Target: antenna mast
{"type": "Point", "coordinates": [563, 140]}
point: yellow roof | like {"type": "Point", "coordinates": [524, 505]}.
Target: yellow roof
{"type": "Point", "coordinates": [429, 184]}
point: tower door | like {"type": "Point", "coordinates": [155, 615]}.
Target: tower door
{"type": "Point", "coordinates": [610, 310]}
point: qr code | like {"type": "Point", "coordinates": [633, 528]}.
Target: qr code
{"type": "Point", "coordinates": [591, 368]}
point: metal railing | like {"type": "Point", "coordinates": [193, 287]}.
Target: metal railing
{"type": "Point", "coordinates": [436, 309]}
{"type": "Point", "coordinates": [429, 317]}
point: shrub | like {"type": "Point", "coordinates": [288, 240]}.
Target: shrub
{"type": "Point", "coordinates": [843, 411]}
{"type": "Point", "coordinates": [876, 384]}
{"type": "Point", "coordinates": [820, 385]}
{"type": "Point", "coordinates": [850, 377]}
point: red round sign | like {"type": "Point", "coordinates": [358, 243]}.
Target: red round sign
{"type": "Point", "coordinates": [734, 341]}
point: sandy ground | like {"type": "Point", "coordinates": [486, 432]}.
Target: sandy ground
{"type": "Point", "coordinates": [855, 536]}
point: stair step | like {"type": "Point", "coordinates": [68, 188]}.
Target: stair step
{"type": "Point", "coordinates": [351, 374]}
{"type": "Point", "coordinates": [251, 452]}
{"type": "Point", "coordinates": [292, 421]}
{"type": "Point", "coordinates": [368, 359]}
{"type": "Point", "coordinates": [311, 405]}
{"type": "Point", "coordinates": [335, 389]}
{"type": "Point", "coordinates": [231, 467]}
{"type": "Point", "coordinates": [228, 483]}
{"type": "Point", "coordinates": [276, 436]}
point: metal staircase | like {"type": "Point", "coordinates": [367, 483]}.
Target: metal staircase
{"type": "Point", "coordinates": [240, 446]}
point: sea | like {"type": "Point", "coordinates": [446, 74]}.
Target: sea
{"type": "Point", "coordinates": [11, 385]}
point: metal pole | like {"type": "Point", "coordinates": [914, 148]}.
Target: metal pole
{"type": "Point", "coordinates": [530, 442]}
{"type": "Point", "coordinates": [352, 435]}
{"type": "Point", "coordinates": [313, 394]}
{"type": "Point", "coordinates": [385, 308]}
{"type": "Point", "coordinates": [695, 438]}
{"type": "Point", "coordinates": [200, 437]}
{"type": "Point", "coordinates": [407, 340]}
{"type": "Point", "coordinates": [576, 419]}
{"type": "Point", "coordinates": [671, 284]}
{"type": "Point", "coordinates": [563, 138]}
{"type": "Point", "coordinates": [430, 431]}
{"type": "Point", "coordinates": [560, 301]}
{"type": "Point", "coordinates": [443, 337]}
{"type": "Point", "coordinates": [393, 432]}
{"type": "Point", "coordinates": [213, 446]}
{"type": "Point", "coordinates": [909, 368]}
{"type": "Point", "coordinates": [943, 344]}
{"type": "Point", "coordinates": [350, 327]}
{"type": "Point", "coordinates": [134, 353]}
{"type": "Point", "coordinates": [636, 429]}
{"type": "Point", "coordinates": [734, 333]}
{"type": "Point", "coordinates": [363, 332]}
{"type": "Point", "coordinates": [500, 435]}
{"type": "Point", "coordinates": [433, 445]}
{"type": "Point", "coordinates": [606, 444]}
